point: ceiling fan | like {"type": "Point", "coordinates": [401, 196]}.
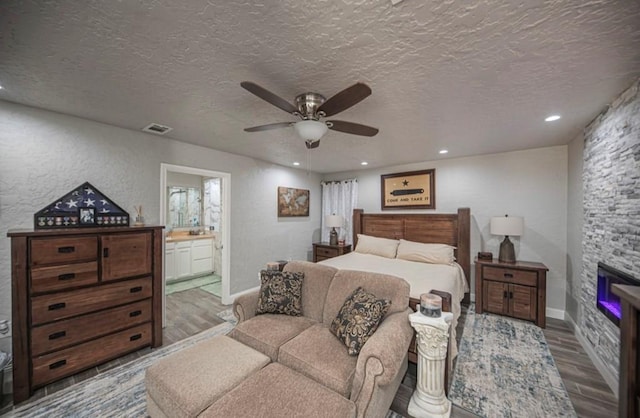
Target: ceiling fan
{"type": "Point", "coordinates": [312, 108]}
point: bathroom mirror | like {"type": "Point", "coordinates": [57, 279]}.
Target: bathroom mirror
{"type": "Point", "coordinates": [185, 207]}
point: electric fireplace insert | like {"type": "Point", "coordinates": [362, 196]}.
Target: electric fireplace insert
{"type": "Point", "coordinates": [606, 301]}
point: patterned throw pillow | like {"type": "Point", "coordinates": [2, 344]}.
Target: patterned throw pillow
{"type": "Point", "coordinates": [280, 293]}
{"type": "Point", "coordinates": [358, 319]}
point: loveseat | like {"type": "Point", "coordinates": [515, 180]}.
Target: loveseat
{"type": "Point", "coordinates": [306, 344]}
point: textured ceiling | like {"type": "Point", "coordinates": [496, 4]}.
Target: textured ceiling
{"type": "Point", "coordinates": [474, 77]}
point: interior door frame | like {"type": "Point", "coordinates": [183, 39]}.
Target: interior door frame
{"type": "Point", "coordinates": [225, 196]}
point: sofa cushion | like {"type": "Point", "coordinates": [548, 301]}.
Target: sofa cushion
{"type": "Point", "coordinates": [318, 354]}
{"type": "Point", "coordinates": [358, 319]}
{"type": "Point", "coordinates": [277, 391]}
{"type": "Point", "coordinates": [384, 286]}
{"type": "Point", "coordinates": [317, 278]}
{"type": "Point", "coordinates": [280, 293]}
{"type": "Point", "coordinates": [266, 333]}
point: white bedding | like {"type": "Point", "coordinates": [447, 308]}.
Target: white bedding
{"type": "Point", "coordinates": [422, 277]}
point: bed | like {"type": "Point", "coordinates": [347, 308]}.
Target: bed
{"type": "Point", "coordinates": [442, 228]}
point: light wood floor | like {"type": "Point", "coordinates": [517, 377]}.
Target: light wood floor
{"type": "Point", "coordinates": [195, 310]}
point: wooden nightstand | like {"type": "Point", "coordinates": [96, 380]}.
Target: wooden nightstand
{"type": "Point", "coordinates": [513, 289]}
{"type": "Point", "coordinates": [324, 250]}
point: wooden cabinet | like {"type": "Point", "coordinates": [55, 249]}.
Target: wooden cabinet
{"type": "Point", "coordinates": [324, 250]}
{"type": "Point", "coordinates": [183, 260]}
{"type": "Point", "coordinates": [201, 256]}
{"type": "Point", "coordinates": [513, 289]}
{"type": "Point", "coordinates": [170, 261]}
{"type": "Point", "coordinates": [629, 383]}
{"type": "Point", "coordinates": [188, 258]}
{"type": "Point", "coordinates": [80, 298]}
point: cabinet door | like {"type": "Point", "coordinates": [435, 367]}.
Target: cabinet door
{"type": "Point", "coordinates": [494, 297]}
{"type": "Point", "coordinates": [170, 264]}
{"type": "Point", "coordinates": [522, 302]}
{"type": "Point", "coordinates": [126, 255]}
{"type": "Point", "coordinates": [183, 262]}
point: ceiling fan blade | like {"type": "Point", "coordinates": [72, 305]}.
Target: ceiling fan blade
{"type": "Point", "coordinates": [352, 128]}
{"type": "Point", "coordinates": [266, 95]}
{"type": "Point", "coordinates": [268, 127]}
{"type": "Point", "coordinates": [345, 99]}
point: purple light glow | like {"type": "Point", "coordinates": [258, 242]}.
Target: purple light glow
{"type": "Point", "coordinates": [613, 307]}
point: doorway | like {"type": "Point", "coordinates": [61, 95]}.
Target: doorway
{"type": "Point", "coordinates": [195, 209]}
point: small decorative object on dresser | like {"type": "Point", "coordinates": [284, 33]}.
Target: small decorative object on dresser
{"type": "Point", "coordinates": [508, 226]}
{"type": "Point", "coordinates": [513, 289]}
{"type": "Point", "coordinates": [324, 250]}
{"type": "Point", "coordinates": [485, 256]}
{"type": "Point", "coordinates": [82, 297]}
{"type": "Point", "coordinates": [333, 221]}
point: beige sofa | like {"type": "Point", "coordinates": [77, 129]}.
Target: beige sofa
{"type": "Point", "coordinates": [305, 344]}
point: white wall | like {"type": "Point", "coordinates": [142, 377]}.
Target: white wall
{"type": "Point", "coordinates": [43, 155]}
{"type": "Point", "coordinates": [531, 184]}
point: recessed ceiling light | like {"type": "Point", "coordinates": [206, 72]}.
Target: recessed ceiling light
{"type": "Point", "coordinates": [552, 118]}
{"type": "Point", "coordinates": [1, 87]}
{"type": "Point", "coordinates": [364, 163]}
{"type": "Point", "coordinates": [296, 163]}
{"type": "Point", "coordinates": [443, 151]}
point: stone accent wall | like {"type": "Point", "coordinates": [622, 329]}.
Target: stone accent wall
{"type": "Point", "coordinates": [611, 230]}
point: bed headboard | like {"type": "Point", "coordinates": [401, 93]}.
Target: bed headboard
{"type": "Point", "coordinates": [443, 228]}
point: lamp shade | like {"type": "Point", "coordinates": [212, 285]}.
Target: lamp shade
{"type": "Point", "coordinates": [333, 221]}
{"type": "Point", "coordinates": [507, 225]}
{"type": "Point", "coordinates": [310, 129]}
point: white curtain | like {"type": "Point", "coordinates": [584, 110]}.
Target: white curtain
{"type": "Point", "coordinates": [339, 198]}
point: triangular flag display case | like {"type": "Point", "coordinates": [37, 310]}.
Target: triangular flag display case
{"type": "Point", "coordinates": [85, 206]}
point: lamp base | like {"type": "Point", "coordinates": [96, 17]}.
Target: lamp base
{"type": "Point", "coordinates": [507, 253]}
{"type": "Point", "coordinates": [333, 237]}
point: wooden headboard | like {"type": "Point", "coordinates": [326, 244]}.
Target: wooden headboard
{"type": "Point", "coordinates": [442, 228]}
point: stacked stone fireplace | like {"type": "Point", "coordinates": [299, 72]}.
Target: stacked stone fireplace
{"type": "Point", "coordinates": [611, 223]}
{"type": "Point", "coordinates": [606, 301]}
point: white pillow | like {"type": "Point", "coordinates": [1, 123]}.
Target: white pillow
{"type": "Point", "coordinates": [425, 253]}
{"type": "Point", "coordinates": [383, 247]}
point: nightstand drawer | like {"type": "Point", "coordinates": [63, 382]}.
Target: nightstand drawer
{"type": "Point", "coordinates": [63, 250]}
{"type": "Point", "coordinates": [326, 252]}
{"type": "Point", "coordinates": [523, 277]}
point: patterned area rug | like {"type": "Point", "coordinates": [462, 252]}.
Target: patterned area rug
{"type": "Point", "coordinates": [505, 369]}
{"type": "Point", "coordinates": [118, 392]}
{"type": "Point", "coordinates": [228, 316]}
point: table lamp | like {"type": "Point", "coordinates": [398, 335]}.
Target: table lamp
{"type": "Point", "coordinates": [508, 226]}
{"type": "Point", "coordinates": [333, 222]}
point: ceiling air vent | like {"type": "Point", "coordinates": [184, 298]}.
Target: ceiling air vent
{"type": "Point", "coordinates": [156, 128]}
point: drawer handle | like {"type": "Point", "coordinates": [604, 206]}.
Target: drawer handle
{"type": "Point", "coordinates": [504, 295]}
{"type": "Point", "coordinates": [508, 275]}
{"type": "Point", "coordinates": [135, 337]}
{"type": "Point", "coordinates": [135, 289]}
{"type": "Point", "coordinates": [57, 364]}
{"type": "Point", "coordinates": [135, 313]}
{"type": "Point", "coordinates": [57, 306]}
{"type": "Point", "coordinates": [105, 253]}
{"type": "Point", "coordinates": [66, 250]}
{"type": "Point", "coordinates": [57, 335]}
{"type": "Point", "coordinates": [510, 295]}
{"type": "Point", "coordinates": [67, 276]}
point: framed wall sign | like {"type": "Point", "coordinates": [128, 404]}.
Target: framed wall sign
{"type": "Point", "coordinates": [293, 202]}
{"type": "Point", "coordinates": [411, 190]}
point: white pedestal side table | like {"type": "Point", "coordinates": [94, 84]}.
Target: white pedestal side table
{"type": "Point", "coordinates": [429, 400]}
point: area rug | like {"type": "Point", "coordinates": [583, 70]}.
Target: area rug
{"type": "Point", "coordinates": [228, 316]}
{"type": "Point", "coordinates": [505, 369]}
{"type": "Point", "coordinates": [118, 392]}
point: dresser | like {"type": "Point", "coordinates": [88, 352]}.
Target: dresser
{"type": "Point", "coordinates": [629, 383]}
{"type": "Point", "coordinates": [81, 297]}
{"type": "Point", "coordinates": [324, 250]}
{"type": "Point", "coordinates": [513, 289]}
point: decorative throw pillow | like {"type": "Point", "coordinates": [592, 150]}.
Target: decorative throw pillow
{"type": "Point", "coordinates": [280, 293]}
{"type": "Point", "coordinates": [383, 247]}
{"type": "Point", "coordinates": [358, 319]}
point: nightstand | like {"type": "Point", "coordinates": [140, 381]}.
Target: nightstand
{"type": "Point", "coordinates": [324, 250]}
{"type": "Point", "coordinates": [513, 289]}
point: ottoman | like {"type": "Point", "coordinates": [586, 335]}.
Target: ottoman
{"type": "Point", "coordinates": [185, 383]}
{"type": "Point", "coordinates": [277, 391]}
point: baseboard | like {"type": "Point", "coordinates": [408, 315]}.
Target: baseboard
{"type": "Point", "coordinates": [235, 295]}
{"type": "Point", "coordinates": [606, 374]}
{"type": "Point", "coordinates": [555, 313]}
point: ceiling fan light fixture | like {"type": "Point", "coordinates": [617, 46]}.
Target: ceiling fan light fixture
{"type": "Point", "coordinates": [310, 129]}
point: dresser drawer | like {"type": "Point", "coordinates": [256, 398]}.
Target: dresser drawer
{"type": "Point", "coordinates": [502, 274]}
{"type": "Point", "coordinates": [53, 366]}
{"type": "Point", "coordinates": [63, 250]}
{"type": "Point", "coordinates": [46, 279]}
{"type": "Point", "coordinates": [326, 252]}
{"type": "Point", "coordinates": [48, 308]}
{"type": "Point", "coordinates": [57, 335]}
